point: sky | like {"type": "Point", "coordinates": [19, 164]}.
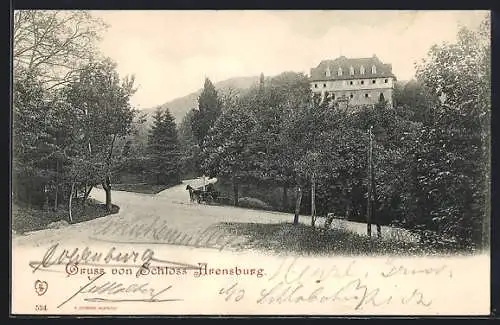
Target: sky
{"type": "Point", "coordinates": [171, 52]}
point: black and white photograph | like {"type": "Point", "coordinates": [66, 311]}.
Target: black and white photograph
{"type": "Point", "coordinates": [250, 162]}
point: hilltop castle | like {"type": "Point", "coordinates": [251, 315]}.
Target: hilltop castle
{"type": "Point", "coordinates": [356, 81]}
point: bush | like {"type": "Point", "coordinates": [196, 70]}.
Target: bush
{"type": "Point", "coordinates": [253, 203]}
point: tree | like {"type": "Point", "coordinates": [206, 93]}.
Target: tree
{"type": "Point", "coordinates": [416, 99]}
{"type": "Point", "coordinates": [226, 150]}
{"type": "Point", "coordinates": [209, 109]}
{"type": "Point", "coordinates": [163, 149]}
{"type": "Point", "coordinates": [258, 139]}
{"type": "Point", "coordinates": [229, 98]}
{"type": "Point", "coordinates": [101, 100]}
{"type": "Point", "coordinates": [69, 110]}
{"type": "Point", "coordinates": [188, 147]}
{"type": "Point", "coordinates": [46, 140]}
{"type": "Point", "coordinates": [453, 168]}
{"type": "Point", "coordinates": [275, 142]}
{"type": "Point", "coordinates": [52, 45]}
{"type": "Point", "coordinates": [261, 81]}
{"type": "Point", "coordinates": [32, 142]}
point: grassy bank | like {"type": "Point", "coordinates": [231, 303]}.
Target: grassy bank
{"type": "Point", "coordinates": [26, 219]}
{"type": "Point", "coordinates": [285, 238]}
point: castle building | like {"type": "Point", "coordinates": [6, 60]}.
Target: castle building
{"type": "Point", "coordinates": [355, 81]}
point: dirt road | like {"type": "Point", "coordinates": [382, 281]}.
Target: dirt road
{"type": "Point", "coordinates": [170, 207]}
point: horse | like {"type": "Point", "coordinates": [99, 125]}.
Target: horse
{"type": "Point", "coordinates": [194, 194]}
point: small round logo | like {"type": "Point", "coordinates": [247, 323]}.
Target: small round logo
{"type": "Point", "coordinates": [41, 287]}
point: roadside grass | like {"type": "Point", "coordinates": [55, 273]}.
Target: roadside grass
{"type": "Point", "coordinates": [286, 238]}
{"type": "Point", "coordinates": [141, 188]}
{"type": "Point", "coordinates": [28, 219]}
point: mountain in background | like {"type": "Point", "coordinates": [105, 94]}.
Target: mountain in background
{"type": "Point", "coordinates": [180, 106]}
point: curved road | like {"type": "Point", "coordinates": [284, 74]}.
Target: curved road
{"type": "Point", "coordinates": [170, 207]}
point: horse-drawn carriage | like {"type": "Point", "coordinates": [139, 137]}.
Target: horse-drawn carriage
{"type": "Point", "coordinates": [206, 194]}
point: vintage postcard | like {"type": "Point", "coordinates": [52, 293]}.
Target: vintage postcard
{"type": "Point", "coordinates": [250, 163]}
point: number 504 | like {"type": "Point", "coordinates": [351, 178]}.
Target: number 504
{"type": "Point", "coordinates": [40, 307]}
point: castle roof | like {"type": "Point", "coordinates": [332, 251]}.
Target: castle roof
{"type": "Point", "coordinates": [320, 72]}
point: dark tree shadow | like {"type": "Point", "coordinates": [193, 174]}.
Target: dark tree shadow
{"type": "Point", "coordinates": [26, 220]}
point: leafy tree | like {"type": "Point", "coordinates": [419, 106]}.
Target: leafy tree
{"type": "Point", "coordinates": [32, 143]}
{"type": "Point", "coordinates": [416, 100]}
{"type": "Point", "coordinates": [52, 45]}
{"type": "Point", "coordinates": [226, 152]}
{"type": "Point", "coordinates": [163, 149]}
{"type": "Point", "coordinates": [127, 148]}
{"type": "Point", "coordinates": [101, 99]}
{"type": "Point", "coordinates": [229, 97]}
{"type": "Point", "coordinates": [245, 142]}
{"type": "Point", "coordinates": [453, 168]}
{"type": "Point", "coordinates": [46, 139]}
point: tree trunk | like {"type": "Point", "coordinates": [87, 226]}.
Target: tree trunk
{"type": "Point", "coordinates": [313, 202]}
{"type": "Point", "coordinates": [285, 198]}
{"type": "Point", "coordinates": [87, 193]}
{"type": "Point", "coordinates": [376, 211]}
{"type": "Point", "coordinates": [46, 202]}
{"type": "Point", "coordinates": [106, 185]}
{"type": "Point", "coordinates": [56, 203]}
{"type": "Point", "coordinates": [368, 216]}
{"type": "Point", "coordinates": [297, 206]}
{"type": "Point", "coordinates": [28, 194]}
{"type": "Point", "coordinates": [370, 183]}
{"type": "Point", "coordinates": [70, 201]}
{"type": "Point", "coordinates": [235, 191]}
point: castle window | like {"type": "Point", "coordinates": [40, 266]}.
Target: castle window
{"type": "Point", "coordinates": [362, 70]}
{"type": "Point", "coordinates": [327, 72]}
{"type": "Point", "coordinates": [315, 85]}
{"type": "Point", "coordinates": [362, 82]}
{"type": "Point", "coordinates": [374, 69]}
{"type": "Point", "coordinates": [350, 82]}
{"type": "Point", "coordinates": [373, 81]}
{"type": "Point", "coordinates": [339, 72]}
{"type": "Point", "coordinates": [352, 96]}
{"type": "Point", "coordinates": [351, 71]}
{"type": "Point", "coordinates": [333, 96]}
{"type": "Point", "coordinates": [366, 95]}
{"type": "Point", "coordinates": [386, 80]}
{"type": "Point", "coordinates": [324, 85]}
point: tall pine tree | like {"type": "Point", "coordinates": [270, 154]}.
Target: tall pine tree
{"type": "Point", "coordinates": [164, 149]}
{"type": "Point", "coordinates": [209, 109]}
